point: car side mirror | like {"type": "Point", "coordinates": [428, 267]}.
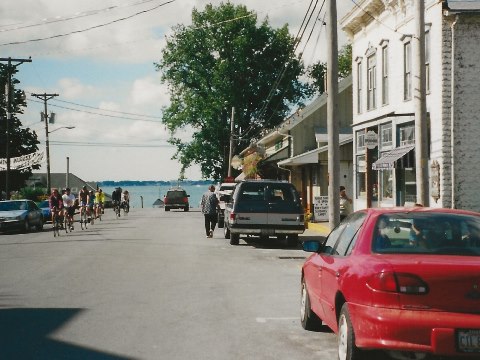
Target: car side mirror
{"type": "Point", "coordinates": [312, 246]}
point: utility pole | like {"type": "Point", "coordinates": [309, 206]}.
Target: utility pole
{"type": "Point", "coordinates": [8, 96]}
{"type": "Point", "coordinates": [421, 138]}
{"type": "Point", "coordinates": [230, 154]}
{"type": "Point", "coordinates": [332, 123]}
{"type": "Point", "coordinates": [45, 97]}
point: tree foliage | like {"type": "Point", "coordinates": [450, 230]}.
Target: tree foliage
{"type": "Point", "coordinates": [224, 60]}
{"type": "Point", "coordinates": [318, 71]}
{"type": "Point", "coordinates": [22, 141]}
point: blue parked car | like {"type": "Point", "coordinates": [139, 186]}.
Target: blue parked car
{"type": "Point", "coordinates": [20, 215]}
{"type": "Point", "coordinates": [45, 207]}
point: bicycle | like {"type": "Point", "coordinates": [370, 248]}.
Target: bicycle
{"type": "Point", "coordinates": [116, 208]}
{"type": "Point", "coordinates": [126, 207]}
{"type": "Point", "coordinates": [57, 223]}
{"type": "Point", "coordinates": [83, 217]}
{"type": "Point", "coordinates": [98, 211]}
{"type": "Point", "coordinates": [67, 222]}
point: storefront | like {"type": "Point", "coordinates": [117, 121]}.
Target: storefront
{"type": "Point", "coordinates": [384, 162]}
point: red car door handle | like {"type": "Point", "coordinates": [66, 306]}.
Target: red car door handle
{"type": "Point", "coordinates": [337, 274]}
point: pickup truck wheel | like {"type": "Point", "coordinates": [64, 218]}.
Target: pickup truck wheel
{"type": "Point", "coordinates": [234, 239]}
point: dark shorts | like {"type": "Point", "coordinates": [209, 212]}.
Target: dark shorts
{"type": "Point", "coordinates": [71, 211]}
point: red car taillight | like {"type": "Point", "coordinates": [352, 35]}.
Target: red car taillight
{"type": "Point", "coordinates": [402, 283]}
{"type": "Point", "coordinates": [185, 200]}
{"type": "Point", "coordinates": [232, 216]}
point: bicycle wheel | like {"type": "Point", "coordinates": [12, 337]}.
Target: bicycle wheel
{"type": "Point", "coordinates": [66, 223]}
{"type": "Point", "coordinates": [55, 225]}
{"type": "Point", "coordinates": [83, 219]}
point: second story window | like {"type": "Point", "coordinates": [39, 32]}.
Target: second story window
{"type": "Point", "coordinates": [372, 82]}
{"type": "Point", "coordinates": [385, 75]}
{"type": "Point", "coordinates": [359, 87]}
{"type": "Point", "coordinates": [427, 60]}
{"type": "Point", "coordinates": [407, 70]}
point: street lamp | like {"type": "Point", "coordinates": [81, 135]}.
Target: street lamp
{"type": "Point", "coordinates": [47, 142]}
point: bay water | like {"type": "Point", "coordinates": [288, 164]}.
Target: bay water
{"type": "Point", "coordinates": [146, 195]}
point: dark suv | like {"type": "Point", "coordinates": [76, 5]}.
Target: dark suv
{"type": "Point", "coordinates": [176, 198]}
{"type": "Point", "coordinates": [264, 208]}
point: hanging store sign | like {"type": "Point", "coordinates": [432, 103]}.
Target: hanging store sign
{"type": "Point", "coordinates": [371, 139]}
{"type": "Point", "coordinates": [24, 161]}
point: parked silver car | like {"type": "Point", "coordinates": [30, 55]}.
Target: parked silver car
{"type": "Point", "coordinates": [264, 208]}
{"type": "Point", "coordinates": [20, 215]}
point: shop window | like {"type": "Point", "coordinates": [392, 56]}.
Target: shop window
{"type": "Point", "coordinates": [406, 134]}
{"type": "Point", "coordinates": [361, 140]}
{"type": "Point", "coordinates": [386, 135]}
{"type": "Point", "coordinates": [386, 185]}
{"type": "Point", "coordinates": [410, 185]}
{"type": "Point", "coordinates": [361, 179]}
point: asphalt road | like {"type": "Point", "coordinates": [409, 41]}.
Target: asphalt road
{"type": "Point", "coordinates": [151, 286]}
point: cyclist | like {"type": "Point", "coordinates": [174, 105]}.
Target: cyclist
{"type": "Point", "coordinates": [126, 200]}
{"type": "Point", "coordinates": [117, 197]}
{"type": "Point", "coordinates": [83, 200]}
{"type": "Point", "coordinates": [91, 207]}
{"type": "Point", "coordinates": [55, 203]}
{"type": "Point", "coordinates": [99, 201]}
{"type": "Point", "coordinates": [69, 205]}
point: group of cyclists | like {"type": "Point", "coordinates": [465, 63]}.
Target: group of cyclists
{"type": "Point", "coordinates": [88, 201]}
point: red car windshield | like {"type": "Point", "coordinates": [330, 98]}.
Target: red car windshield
{"type": "Point", "coordinates": [427, 233]}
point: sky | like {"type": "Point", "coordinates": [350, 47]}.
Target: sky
{"type": "Point", "coordinates": [99, 56]}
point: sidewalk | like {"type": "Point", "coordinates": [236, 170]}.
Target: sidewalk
{"type": "Point", "coordinates": [319, 228]}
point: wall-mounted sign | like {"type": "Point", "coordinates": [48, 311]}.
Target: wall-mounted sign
{"type": "Point", "coordinates": [320, 206]}
{"type": "Point", "coordinates": [371, 139]}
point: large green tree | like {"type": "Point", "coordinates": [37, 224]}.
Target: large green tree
{"type": "Point", "coordinates": [226, 59]}
{"type": "Point", "coordinates": [22, 141]}
{"type": "Point", "coordinates": [318, 71]}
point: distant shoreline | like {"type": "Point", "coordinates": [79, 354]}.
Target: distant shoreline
{"type": "Point", "coordinates": [125, 183]}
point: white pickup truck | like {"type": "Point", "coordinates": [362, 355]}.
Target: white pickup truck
{"type": "Point", "coordinates": [224, 192]}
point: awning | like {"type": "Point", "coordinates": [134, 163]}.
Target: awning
{"type": "Point", "coordinates": [311, 157]}
{"type": "Point", "coordinates": [387, 161]}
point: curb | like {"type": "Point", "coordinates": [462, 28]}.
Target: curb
{"type": "Point", "coordinates": [319, 227]}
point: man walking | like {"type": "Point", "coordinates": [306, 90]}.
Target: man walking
{"type": "Point", "coordinates": [209, 205]}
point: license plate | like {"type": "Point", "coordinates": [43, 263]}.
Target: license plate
{"type": "Point", "coordinates": [468, 340]}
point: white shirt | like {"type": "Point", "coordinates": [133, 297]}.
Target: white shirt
{"type": "Point", "coordinates": [68, 200]}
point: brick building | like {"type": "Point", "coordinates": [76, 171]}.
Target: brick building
{"type": "Point", "coordinates": [382, 34]}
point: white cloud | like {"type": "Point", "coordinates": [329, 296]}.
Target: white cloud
{"type": "Point", "coordinates": [149, 91]}
{"type": "Point", "coordinates": [71, 88]}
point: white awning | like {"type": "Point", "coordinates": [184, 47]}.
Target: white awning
{"type": "Point", "coordinates": [387, 161]}
{"type": "Point", "coordinates": [310, 157]}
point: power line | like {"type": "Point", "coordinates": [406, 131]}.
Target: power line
{"type": "Point", "coordinates": [89, 28]}
{"type": "Point", "coordinates": [99, 114]}
{"type": "Point", "coordinates": [68, 17]}
{"type": "Point", "coordinates": [114, 111]}
{"type": "Point", "coordinates": [80, 143]}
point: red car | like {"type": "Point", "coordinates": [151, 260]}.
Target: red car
{"type": "Point", "coordinates": [403, 280]}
